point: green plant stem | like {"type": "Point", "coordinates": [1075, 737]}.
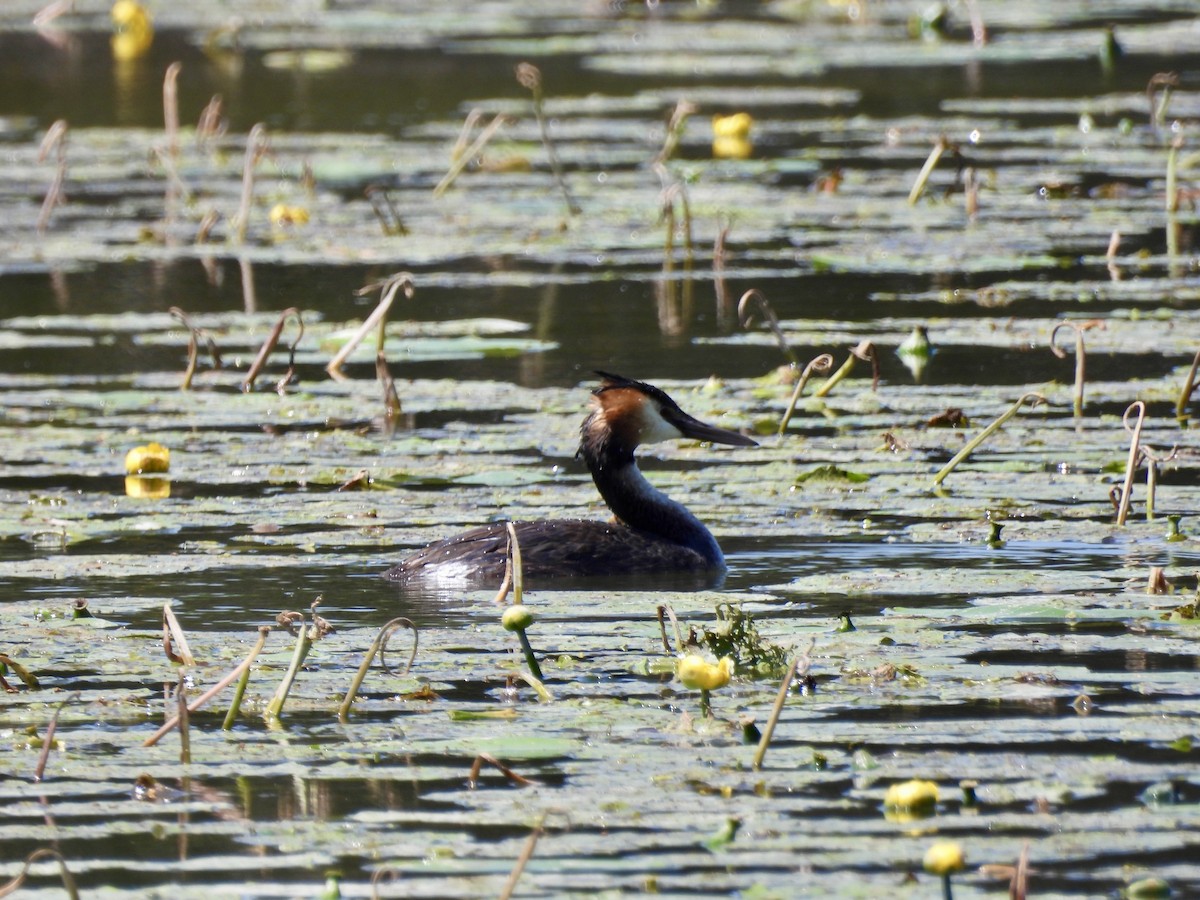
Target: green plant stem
{"type": "Point", "coordinates": [236, 703]}
{"type": "Point", "coordinates": [1033, 398]}
{"type": "Point", "coordinates": [832, 381]}
{"type": "Point", "coordinates": [530, 659]}
{"type": "Point", "coordinates": [376, 647]}
{"type": "Point", "coordinates": [305, 636]}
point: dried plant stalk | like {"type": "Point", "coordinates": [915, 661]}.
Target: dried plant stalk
{"type": "Point", "coordinates": [378, 317]}
{"type": "Point", "coordinates": [1032, 398]}
{"type": "Point", "coordinates": [1135, 449]}
{"type": "Point", "coordinates": [940, 146]}
{"type": "Point", "coordinates": [745, 317]}
{"type": "Point", "coordinates": [270, 343]}
{"type": "Point", "coordinates": [822, 363]}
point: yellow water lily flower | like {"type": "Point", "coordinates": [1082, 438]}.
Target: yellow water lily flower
{"type": "Point", "coordinates": [133, 32]}
{"type": "Point", "coordinates": [944, 857]}
{"type": "Point", "coordinates": [914, 794]}
{"type": "Point", "coordinates": [731, 136]}
{"type": "Point", "coordinates": [736, 125]}
{"type": "Point", "coordinates": [150, 458]}
{"type": "Point", "coordinates": [696, 672]}
{"type": "Point", "coordinates": [281, 214]}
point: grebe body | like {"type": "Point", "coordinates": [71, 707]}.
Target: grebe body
{"type": "Point", "coordinates": [650, 531]}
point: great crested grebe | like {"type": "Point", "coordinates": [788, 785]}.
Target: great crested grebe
{"type": "Point", "coordinates": [650, 531]}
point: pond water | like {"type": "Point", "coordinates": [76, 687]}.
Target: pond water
{"type": "Point", "coordinates": [1035, 664]}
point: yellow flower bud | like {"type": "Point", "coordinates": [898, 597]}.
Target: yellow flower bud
{"type": "Point", "coordinates": [944, 857]}
{"type": "Point", "coordinates": [697, 672]}
{"type": "Point", "coordinates": [517, 617]}
{"type": "Point", "coordinates": [150, 458]}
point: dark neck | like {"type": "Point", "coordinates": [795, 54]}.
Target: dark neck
{"type": "Point", "coordinates": [640, 505]}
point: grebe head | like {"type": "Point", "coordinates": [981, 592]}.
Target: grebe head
{"type": "Point", "coordinates": [627, 413]}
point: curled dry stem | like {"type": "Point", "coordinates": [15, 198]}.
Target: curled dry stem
{"type": "Point", "coordinates": [194, 336]}
{"type": "Point", "coordinates": [676, 190]}
{"type": "Point", "coordinates": [211, 123]}
{"type": "Point", "coordinates": [171, 107]}
{"type": "Point", "coordinates": [1032, 398]}
{"type": "Point", "coordinates": [477, 767]}
{"type": "Point", "coordinates": [377, 647]}
{"type": "Point", "coordinates": [746, 318]}
{"type": "Point", "coordinates": [41, 853]}
{"type": "Point", "coordinates": [798, 668]}
{"type": "Point", "coordinates": [1152, 462]}
{"type": "Point", "coordinates": [940, 146]}
{"type": "Point", "coordinates": [865, 350]}
{"type": "Point", "coordinates": [461, 159]}
{"type": "Point", "coordinates": [1185, 393]}
{"type": "Point", "coordinates": [530, 77]}
{"type": "Point", "coordinates": [256, 148]}
{"type": "Point", "coordinates": [392, 409]}
{"type": "Point", "coordinates": [1138, 407]}
{"type": "Point", "coordinates": [670, 613]}
{"type": "Point", "coordinates": [39, 771]}
{"type": "Point", "coordinates": [269, 346]}
{"type": "Point", "coordinates": [240, 670]}
{"type": "Point", "coordinates": [679, 116]}
{"type": "Point", "coordinates": [173, 636]}
{"type": "Point", "coordinates": [1158, 94]}
{"type": "Point", "coordinates": [378, 317]}
{"type": "Point", "coordinates": [385, 211]}
{"type": "Point", "coordinates": [56, 140]}
{"type": "Point", "coordinates": [822, 363]}
{"type": "Point", "coordinates": [1080, 328]}
{"type": "Point", "coordinates": [662, 628]}
{"type": "Point", "coordinates": [510, 886]}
